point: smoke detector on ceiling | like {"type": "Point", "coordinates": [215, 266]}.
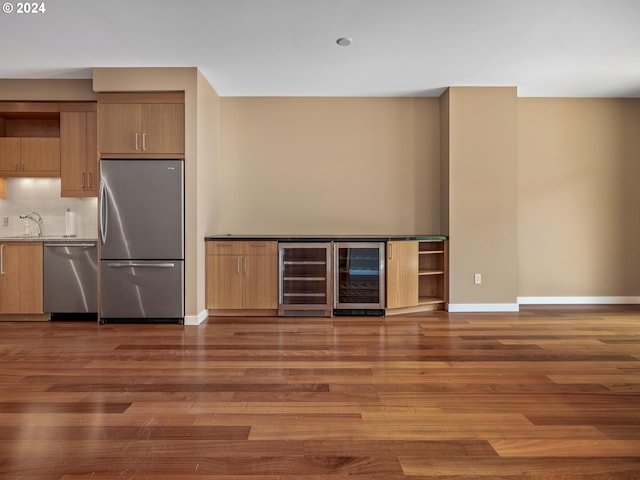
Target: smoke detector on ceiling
{"type": "Point", "coordinates": [344, 41]}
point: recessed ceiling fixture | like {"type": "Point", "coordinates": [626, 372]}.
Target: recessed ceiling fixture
{"type": "Point", "coordinates": [344, 41]}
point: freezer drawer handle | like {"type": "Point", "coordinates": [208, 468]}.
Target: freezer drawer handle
{"type": "Point", "coordinates": [144, 265]}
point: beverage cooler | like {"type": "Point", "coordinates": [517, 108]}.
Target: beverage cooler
{"type": "Point", "coordinates": [305, 279]}
{"type": "Point", "coordinates": [359, 278]}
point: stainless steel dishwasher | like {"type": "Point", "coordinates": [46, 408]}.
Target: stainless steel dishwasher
{"type": "Point", "coordinates": [71, 279]}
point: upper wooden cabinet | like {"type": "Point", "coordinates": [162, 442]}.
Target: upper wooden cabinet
{"type": "Point", "coordinates": [78, 154]}
{"type": "Point", "coordinates": [29, 139]}
{"type": "Point", "coordinates": [29, 157]}
{"type": "Point", "coordinates": [141, 124]}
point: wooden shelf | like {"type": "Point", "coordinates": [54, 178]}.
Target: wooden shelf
{"type": "Point", "coordinates": [304, 295]}
{"type": "Point", "coordinates": [305, 279]}
{"type": "Point", "coordinates": [429, 300]}
{"type": "Point", "coordinates": [303, 262]}
{"type": "Point", "coordinates": [431, 272]}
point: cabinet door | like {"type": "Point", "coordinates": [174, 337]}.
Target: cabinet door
{"type": "Point", "coordinates": [224, 281]}
{"type": "Point", "coordinates": [73, 143]}
{"type": "Point", "coordinates": [162, 128]}
{"type": "Point", "coordinates": [78, 154]}
{"type": "Point", "coordinates": [21, 277]}
{"type": "Point", "coordinates": [260, 288]}
{"type": "Point", "coordinates": [119, 127]}
{"type": "Point", "coordinates": [91, 155]}
{"type": "Point", "coordinates": [402, 274]}
{"type": "Point", "coordinates": [9, 154]}
{"type": "Point", "coordinates": [40, 156]}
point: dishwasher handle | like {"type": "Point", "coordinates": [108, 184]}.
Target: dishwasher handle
{"type": "Point", "coordinates": [144, 265]}
{"type": "Point", "coordinates": [64, 245]}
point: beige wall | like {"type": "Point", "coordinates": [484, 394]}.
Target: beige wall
{"type": "Point", "coordinates": [208, 178]}
{"type": "Point", "coordinates": [482, 194]}
{"type": "Point", "coordinates": [444, 163]}
{"type": "Point", "coordinates": [539, 195]}
{"type": "Point", "coordinates": [330, 165]}
{"type": "Point", "coordinates": [579, 197]}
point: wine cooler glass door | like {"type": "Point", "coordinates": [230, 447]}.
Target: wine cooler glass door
{"type": "Point", "coordinates": [359, 275]}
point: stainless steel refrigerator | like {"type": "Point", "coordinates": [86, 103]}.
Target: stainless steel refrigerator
{"type": "Point", "coordinates": [141, 223]}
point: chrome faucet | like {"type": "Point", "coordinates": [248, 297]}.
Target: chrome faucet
{"type": "Point", "coordinates": [37, 221]}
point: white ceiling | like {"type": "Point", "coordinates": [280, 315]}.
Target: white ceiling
{"type": "Point", "coordinates": [584, 48]}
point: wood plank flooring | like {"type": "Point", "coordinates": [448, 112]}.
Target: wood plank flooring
{"type": "Point", "coordinates": [547, 393]}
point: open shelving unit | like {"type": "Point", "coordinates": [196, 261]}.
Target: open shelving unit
{"type": "Point", "coordinates": [432, 272]}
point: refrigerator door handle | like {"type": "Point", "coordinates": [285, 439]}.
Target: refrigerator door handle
{"type": "Point", "coordinates": [102, 201]}
{"type": "Point", "coordinates": [144, 265]}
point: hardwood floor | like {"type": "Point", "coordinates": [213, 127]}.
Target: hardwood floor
{"type": "Point", "coordinates": [548, 393]}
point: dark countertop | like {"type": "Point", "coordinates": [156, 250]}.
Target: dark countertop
{"type": "Point", "coordinates": [327, 238]}
{"type": "Point", "coordinates": [48, 238]}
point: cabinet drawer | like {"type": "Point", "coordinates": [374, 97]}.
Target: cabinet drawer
{"type": "Point", "coordinates": [257, 247]}
{"type": "Point", "coordinates": [224, 247]}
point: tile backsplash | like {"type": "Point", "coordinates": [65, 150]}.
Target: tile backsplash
{"type": "Point", "coordinates": [25, 195]}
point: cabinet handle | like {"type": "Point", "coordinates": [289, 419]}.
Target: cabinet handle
{"type": "Point", "coordinates": [82, 180]}
{"type": "Point", "coordinates": [245, 264]}
{"type": "Point", "coordinates": [1, 259]}
{"type": "Point", "coordinates": [390, 251]}
{"type": "Point", "coordinates": [137, 141]}
{"type": "Point", "coordinates": [144, 142]}
{"type": "Point", "coordinates": [239, 265]}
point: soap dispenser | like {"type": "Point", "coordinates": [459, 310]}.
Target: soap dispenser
{"type": "Point", "coordinates": [26, 231]}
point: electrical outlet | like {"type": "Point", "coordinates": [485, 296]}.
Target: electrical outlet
{"type": "Point", "coordinates": [477, 278]}
{"type": "Point", "coordinates": [5, 221]}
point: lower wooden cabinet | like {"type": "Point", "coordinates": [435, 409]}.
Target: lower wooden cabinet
{"type": "Point", "coordinates": [21, 277]}
{"type": "Point", "coordinates": [402, 274]}
{"type": "Point", "coordinates": [242, 275]}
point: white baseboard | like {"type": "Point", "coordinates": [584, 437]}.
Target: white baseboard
{"type": "Point", "coordinates": [578, 300]}
{"type": "Point", "coordinates": [196, 320]}
{"type": "Point", "coordinates": [483, 307]}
